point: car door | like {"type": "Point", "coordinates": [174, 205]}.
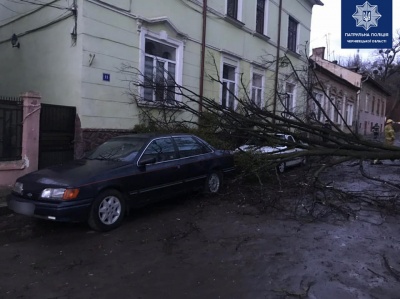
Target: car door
{"type": "Point", "coordinates": [159, 171]}
{"type": "Point", "coordinates": [292, 149]}
{"type": "Point", "coordinates": [195, 160]}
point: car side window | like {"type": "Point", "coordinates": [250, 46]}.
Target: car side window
{"type": "Point", "coordinates": [290, 138]}
{"type": "Point", "coordinates": [188, 146]}
{"type": "Point", "coordinates": [161, 149]}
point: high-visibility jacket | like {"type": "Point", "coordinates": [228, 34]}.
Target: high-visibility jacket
{"type": "Point", "coordinates": [389, 134]}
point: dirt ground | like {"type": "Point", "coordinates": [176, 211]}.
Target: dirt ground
{"type": "Point", "coordinates": [250, 242]}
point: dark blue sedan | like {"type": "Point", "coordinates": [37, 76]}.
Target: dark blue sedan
{"type": "Point", "coordinates": [124, 172]}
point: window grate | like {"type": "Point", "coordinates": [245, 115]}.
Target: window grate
{"type": "Point", "coordinates": [10, 128]}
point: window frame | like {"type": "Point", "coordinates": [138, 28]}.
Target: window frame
{"type": "Point", "coordinates": [260, 89]}
{"type": "Point", "coordinates": [349, 112]}
{"type": "Point", "coordinates": [162, 38]}
{"type": "Point", "coordinates": [293, 34]}
{"type": "Point", "coordinates": [366, 102]}
{"type": "Point", "coordinates": [230, 61]}
{"type": "Point", "coordinates": [320, 98]}
{"type": "Point", "coordinates": [262, 29]}
{"type": "Point", "coordinates": [338, 111]}
{"type": "Point", "coordinates": [239, 9]}
{"type": "Point", "coordinates": [373, 105]}
{"type": "Point", "coordinates": [378, 106]}
{"type": "Point", "coordinates": [291, 99]}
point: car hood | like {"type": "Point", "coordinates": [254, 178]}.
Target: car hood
{"type": "Point", "coordinates": [74, 173]}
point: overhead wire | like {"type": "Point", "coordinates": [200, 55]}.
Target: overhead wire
{"type": "Point", "coordinates": [43, 4]}
{"type": "Point", "coordinates": [59, 18]}
{"type": "Point", "coordinates": [9, 8]}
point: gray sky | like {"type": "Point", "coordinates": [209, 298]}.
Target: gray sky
{"type": "Point", "coordinates": [326, 26]}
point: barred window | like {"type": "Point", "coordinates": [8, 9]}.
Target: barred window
{"type": "Point", "coordinates": [10, 129]}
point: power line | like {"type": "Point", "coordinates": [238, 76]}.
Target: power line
{"type": "Point", "coordinates": [9, 8]}
{"type": "Point", "coordinates": [60, 18]}
{"type": "Point", "coordinates": [45, 4]}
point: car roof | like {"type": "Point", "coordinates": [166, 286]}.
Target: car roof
{"type": "Point", "coordinates": [151, 135]}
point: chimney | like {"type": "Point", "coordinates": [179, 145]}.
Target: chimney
{"type": "Point", "coordinates": [318, 52]}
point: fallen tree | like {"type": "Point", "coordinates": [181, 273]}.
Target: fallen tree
{"type": "Point", "coordinates": [246, 119]}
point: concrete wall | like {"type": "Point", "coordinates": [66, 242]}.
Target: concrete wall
{"type": "Point", "coordinates": [47, 60]}
{"type": "Point", "coordinates": [367, 116]}
{"type": "Point", "coordinates": [11, 170]}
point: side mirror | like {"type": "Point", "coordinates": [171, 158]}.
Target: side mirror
{"type": "Point", "coordinates": [144, 162]}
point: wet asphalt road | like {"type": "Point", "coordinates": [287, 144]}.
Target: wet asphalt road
{"type": "Point", "coordinates": [197, 247]}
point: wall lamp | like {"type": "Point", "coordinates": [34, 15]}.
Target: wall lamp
{"type": "Point", "coordinates": [14, 41]}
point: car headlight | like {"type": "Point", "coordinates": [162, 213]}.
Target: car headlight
{"type": "Point", "coordinates": [60, 193]}
{"type": "Point", "coordinates": [18, 188]}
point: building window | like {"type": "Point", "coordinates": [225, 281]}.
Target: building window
{"type": "Point", "coordinates": [257, 89]}
{"type": "Point", "coordinates": [160, 71]}
{"type": "Point", "coordinates": [232, 8]}
{"type": "Point", "coordinates": [260, 16]}
{"type": "Point", "coordinates": [366, 102]}
{"type": "Point", "coordinates": [338, 110]}
{"type": "Point", "coordinates": [318, 109]}
{"type": "Point", "coordinates": [228, 86]}
{"type": "Point", "coordinates": [383, 108]}
{"type": "Point", "coordinates": [292, 34]}
{"type": "Point", "coordinates": [349, 113]}
{"type": "Point", "coordinates": [289, 99]}
{"type": "Point", "coordinates": [378, 107]}
{"type": "Point", "coordinates": [373, 105]}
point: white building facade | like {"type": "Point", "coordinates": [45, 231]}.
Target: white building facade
{"type": "Point", "coordinates": [75, 52]}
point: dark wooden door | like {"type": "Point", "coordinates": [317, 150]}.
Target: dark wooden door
{"type": "Point", "coordinates": [57, 134]}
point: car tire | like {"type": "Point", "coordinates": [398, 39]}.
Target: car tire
{"type": "Point", "coordinates": [107, 211]}
{"type": "Point", "coordinates": [213, 183]}
{"type": "Point", "coordinates": [281, 167]}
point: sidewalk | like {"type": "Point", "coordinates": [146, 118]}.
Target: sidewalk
{"type": "Point", "coordinates": [4, 191]}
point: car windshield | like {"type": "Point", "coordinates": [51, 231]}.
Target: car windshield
{"type": "Point", "coordinates": [121, 149]}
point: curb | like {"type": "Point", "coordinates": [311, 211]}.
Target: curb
{"type": "Point", "coordinates": [4, 210]}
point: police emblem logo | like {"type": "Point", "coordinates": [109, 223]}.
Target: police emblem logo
{"type": "Point", "coordinates": [366, 15]}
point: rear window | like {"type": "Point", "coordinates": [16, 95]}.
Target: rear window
{"type": "Point", "coordinates": [189, 146]}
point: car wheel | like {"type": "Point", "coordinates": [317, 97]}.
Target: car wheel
{"type": "Point", "coordinates": [281, 167]}
{"type": "Point", "coordinates": [107, 211]}
{"type": "Point", "coordinates": [304, 161]}
{"type": "Point", "coordinates": [213, 183]}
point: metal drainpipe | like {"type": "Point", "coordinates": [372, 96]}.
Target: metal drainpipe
{"type": "Point", "coordinates": [277, 57]}
{"type": "Point", "coordinates": [203, 54]}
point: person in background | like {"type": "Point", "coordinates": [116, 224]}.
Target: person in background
{"type": "Point", "coordinates": [389, 132]}
{"type": "Point", "coordinates": [390, 136]}
{"type": "Point", "coordinates": [326, 130]}
{"type": "Point", "coordinates": [375, 131]}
